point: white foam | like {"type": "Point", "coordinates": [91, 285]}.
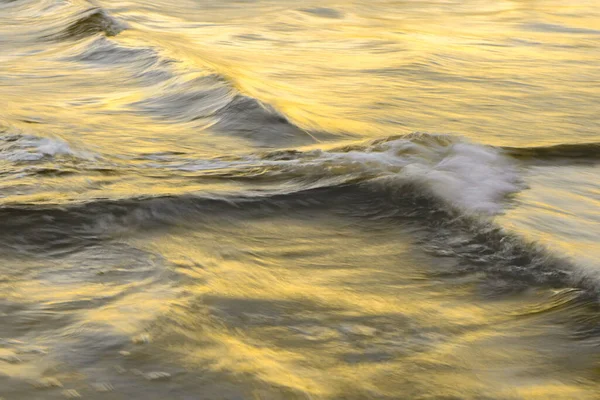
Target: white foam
{"type": "Point", "coordinates": [471, 177]}
{"type": "Point", "coordinates": [468, 176]}
{"type": "Point", "coordinates": [49, 147]}
{"type": "Point", "coordinates": [25, 148]}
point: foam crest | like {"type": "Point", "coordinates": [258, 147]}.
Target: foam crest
{"type": "Point", "coordinates": [471, 177]}
{"type": "Point", "coordinates": [28, 148]}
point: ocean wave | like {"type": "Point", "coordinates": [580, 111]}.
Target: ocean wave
{"type": "Point", "coordinates": [478, 245]}
{"type": "Point", "coordinates": [570, 152]}
{"type": "Point", "coordinates": [442, 184]}
{"type": "Point", "coordinates": [468, 176]}
{"type": "Point", "coordinates": [103, 51]}
{"type": "Point", "coordinates": [30, 22]}
{"type": "Point", "coordinates": [91, 22]}
{"type": "Point", "coordinates": [209, 101]}
{"type": "Point", "coordinates": [172, 89]}
{"type": "Point", "coordinates": [445, 187]}
{"type": "Point", "coordinates": [21, 148]}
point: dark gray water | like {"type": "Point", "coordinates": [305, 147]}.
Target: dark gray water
{"type": "Point", "coordinates": [280, 200]}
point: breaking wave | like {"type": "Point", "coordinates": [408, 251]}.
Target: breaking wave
{"type": "Point", "coordinates": [443, 185]}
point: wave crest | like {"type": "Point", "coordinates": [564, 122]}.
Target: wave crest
{"type": "Point", "coordinates": [20, 148]}
{"type": "Point", "coordinates": [91, 22]}
{"type": "Point", "coordinates": [571, 152]}
{"type": "Point", "coordinates": [471, 177]}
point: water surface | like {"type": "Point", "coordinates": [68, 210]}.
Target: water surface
{"type": "Point", "coordinates": [299, 200]}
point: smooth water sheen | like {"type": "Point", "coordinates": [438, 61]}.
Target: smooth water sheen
{"type": "Point", "coordinates": [275, 199]}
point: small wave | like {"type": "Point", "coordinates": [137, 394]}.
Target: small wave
{"type": "Point", "coordinates": [143, 65]}
{"type": "Point", "coordinates": [467, 176]}
{"type": "Point", "coordinates": [91, 22]}
{"type": "Point", "coordinates": [479, 246]}
{"type": "Point", "coordinates": [570, 152]}
{"type": "Point", "coordinates": [557, 28]}
{"type": "Point", "coordinates": [103, 51]}
{"type": "Point", "coordinates": [28, 148]}
{"type": "Point", "coordinates": [323, 12]}
{"type": "Point", "coordinates": [210, 102]}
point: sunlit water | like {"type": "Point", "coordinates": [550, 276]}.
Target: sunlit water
{"type": "Point", "coordinates": [291, 200]}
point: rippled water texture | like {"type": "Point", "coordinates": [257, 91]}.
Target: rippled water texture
{"type": "Point", "coordinates": [299, 200]}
